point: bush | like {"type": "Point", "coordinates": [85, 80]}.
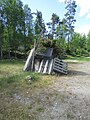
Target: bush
{"type": "Point", "coordinates": [84, 52]}
{"type": "Point", "coordinates": [58, 45]}
{"type": "Point", "coordinates": [78, 52]}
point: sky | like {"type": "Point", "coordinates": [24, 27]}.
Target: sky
{"type": "Point", "coordinates": [48, 7]}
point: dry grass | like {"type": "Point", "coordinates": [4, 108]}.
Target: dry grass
{"type": "Point", "coordinates": [45, 97]}
{"type": "Point", "coordinates": [14, 87]}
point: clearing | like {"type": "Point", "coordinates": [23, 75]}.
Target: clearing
{"type": "Point", "coordinates": [63, 97]}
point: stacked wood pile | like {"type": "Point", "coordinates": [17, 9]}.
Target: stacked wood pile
{"type": "Point", "coordinates": [45, 63]}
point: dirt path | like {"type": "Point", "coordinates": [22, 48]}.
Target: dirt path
{"type": "Point", "coordinates": [69, 97]}
{"type": "Point", "coordinates": [74, 91]}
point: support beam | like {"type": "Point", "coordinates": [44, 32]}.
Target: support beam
{"type": "Point", "coordinates": [40, 66]}
{"type": "Point", "coordinates": [45, 68]}
{"type": "Point", "coordinates": [50, 68]}
{"type": "Point", "coordinates": [29, 60]}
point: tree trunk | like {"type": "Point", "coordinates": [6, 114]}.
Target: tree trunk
{"type": "Point", "coordinates": [9, 54]}
{"type": "Point", "coordinates": [1, 53]}
{"type": "Point", "coordinates": [68, 45]}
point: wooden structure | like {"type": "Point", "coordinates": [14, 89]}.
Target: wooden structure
{"type": "Point", "coordinates": [59, 66]}
{"type": "Point", "coordinates": [45, 63]}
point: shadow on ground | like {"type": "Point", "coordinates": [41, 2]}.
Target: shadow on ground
{"type": "Point", "coordinates": [75, 73]}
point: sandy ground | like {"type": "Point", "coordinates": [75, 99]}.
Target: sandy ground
{"type": "Point", "coordinates": [68, 98]}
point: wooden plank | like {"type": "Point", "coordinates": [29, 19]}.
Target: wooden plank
{"type": "Point", "coordinates": [62, 66]}
{"type": "Point", "coordinates": [36, 65]}
{"type": "Point", "coordinates": [40, 66]}
{"type": "Point", "coordinates": [55, 68]}
{"type": "Point", "coordinates": [29, 60]}
{"type": "Point", "coordinates": [60, 63]}
{"type": "Point", "coordinates": [45, 68]}
{"type": "Point", "coordinates": [58, 67]}
{"type": "Point", "coordinates": [50, 68]}
{"type": "Point", "coordinates": [58, 60]}
{"type": "Point", "coordinates": [61, 71]}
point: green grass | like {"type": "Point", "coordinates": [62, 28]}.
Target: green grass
{"type": "Point", "coordinates": [14, 81]}
{"type": "Point", "coordinates": [82, 58]}
{"type": "Point", "coordinates": [11, 73]}
{"type": "Point", "coordinates": [40, 109]}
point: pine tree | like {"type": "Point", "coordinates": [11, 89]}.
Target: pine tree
{"type": "Point", "coordinates": [70, 20]}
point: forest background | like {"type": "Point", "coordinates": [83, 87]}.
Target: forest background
{"type": "Point", "coordinates": [20, 30]}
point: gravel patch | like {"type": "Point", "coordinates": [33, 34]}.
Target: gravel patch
{"type": "Point", "coordinates": [68, 98]}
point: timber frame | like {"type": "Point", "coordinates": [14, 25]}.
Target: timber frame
{"type": "Point", "coordinates": [45, 63]}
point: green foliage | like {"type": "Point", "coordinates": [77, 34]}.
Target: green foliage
{"type": "Point", "coordinates": [84, 52]}
{"type": "Point", "coordinates": [19, 32]}
{"type": "Point", "coordinates": [70, 20]}
{"type": "Point", "coordinates": [40, 109]}
{"type": "Point", "coordinates": [78, 45]}
{"type": "Point", "coordinates": [53, 26]}
{"type": "Point", "coordinates": [39, 23]}
{"type": "Point", "coordinates": [18, 26]}
{"type": "Point", "coordinates": [1, 37]}
{"type": "Point", "coordinates": [59, 46]}
{"type": "Point", "coordinates": [88, 41]}
{"type": "Point", "coordinates": [27, 29]}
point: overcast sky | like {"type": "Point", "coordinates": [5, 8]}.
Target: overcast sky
{"type": "Point", "coordinates": [47, 7]}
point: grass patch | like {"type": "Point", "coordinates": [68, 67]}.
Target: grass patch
{"type": "Point", "coordinates": [82, 58]}
{"type": "Point", "coordinates": [14, 81]}
{"type": "Point", "coordinates": [11, 73]}
{"type": "Point", "coordinates": [40, 109]}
